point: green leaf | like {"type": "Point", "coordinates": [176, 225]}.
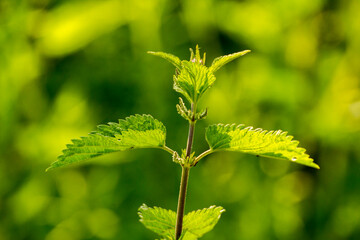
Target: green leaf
{"type": "Point", "coordinates": [195, 225]}
{"type": "Point", "coordinates": [167, 56]}
{"type": "Point", "coordinates": [158, 220]}
{"type": "Point", "coordinates": [273, 144]}
{"type": "Point", "coordinates": [192, 78]}
{"type": "Point", "coordinates": [221, 61]}
{"type": "Point", "coordinates": [137, 131]}
{"type": "Point", "coordinates": [193, 81]}
{"type": "Point", "coordinates": [199, 222]}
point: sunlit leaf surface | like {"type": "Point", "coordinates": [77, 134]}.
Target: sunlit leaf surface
{"type": "Point", "coordinates": [138, 131]}
{"type": "Point", "coordinates": [195, 225]}
{"type": "Point", "coordinates": [274, 144]}
{"type": "Point", "coordinates": [221, 61]}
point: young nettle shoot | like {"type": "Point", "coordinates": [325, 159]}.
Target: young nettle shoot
{"type": "Point", "coordinates": [192, 79]}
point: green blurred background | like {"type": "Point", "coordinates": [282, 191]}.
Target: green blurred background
{"type": "Point", "coordinates": [66, 66]}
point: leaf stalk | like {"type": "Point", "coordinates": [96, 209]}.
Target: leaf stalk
{"type": "Point", "coordinates": [169, 150]}
{"type": "Point", "coordinates": [202, 155]}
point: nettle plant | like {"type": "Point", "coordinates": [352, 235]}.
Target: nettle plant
{"type": "Point", "coordinates": [192, 79]}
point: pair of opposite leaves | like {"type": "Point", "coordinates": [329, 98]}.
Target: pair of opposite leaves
{"type": "Point", "coordinates": [192, 79]}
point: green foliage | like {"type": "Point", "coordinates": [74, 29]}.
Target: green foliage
{"type": "Point", "coordinates": [193, 81]}
{"type": "Point", "coordinates": [196, 223]}
{"type": "Point", "coordinates": [221, 61]}
{"type": "Point", "coordinates": [274, 144]}
{"type": "Point", "coordinates": [158, 220]}
{"type": "Point", "coordinates": [167, 56]}
{"type": "Point", "coordinates": [183, 110]}
{"type": "Point", "coordinates": [193, 78]}
{"type": "Point", "coordinates": [67, 64]}
{"type": "Point", "coordinates": [138, 131]}
{"type": "Point", "coordinates": [188, 114]}
{"type": "Point", "coordinates": [184, 159]}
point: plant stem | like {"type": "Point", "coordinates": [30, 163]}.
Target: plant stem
{"type": "Point", "coordinates": [184, 178]}
{"type": "Point", "coordinates": [181, 202]}
{"type": "Point", "coordinates": [190, 138]}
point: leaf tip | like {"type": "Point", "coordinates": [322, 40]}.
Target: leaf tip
{"type": "Point", "coordinates": [49, 169]}
{"type": "Point", "coordinates": [316, 166]}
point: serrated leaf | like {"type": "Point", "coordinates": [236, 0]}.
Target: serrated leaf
{"type": "Point", "coordinates": [199, 222]}
{"type": "Point", "coordinates": [192, 78]}
{"type": "Point", "coordinates": [169, 57]}
{"type": "Point", "coordinates": [137, 131]}
{"type": "Point", "coordinates": [221, 61]}
{"type": "Point", "coordinates": [274, 144]}
{"type": "Point", "coordinates": [195, 225]}
{"type": "Point", "coordinates": [158, 220]}
{"type": "Point", "coordinates": [193, 81]}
